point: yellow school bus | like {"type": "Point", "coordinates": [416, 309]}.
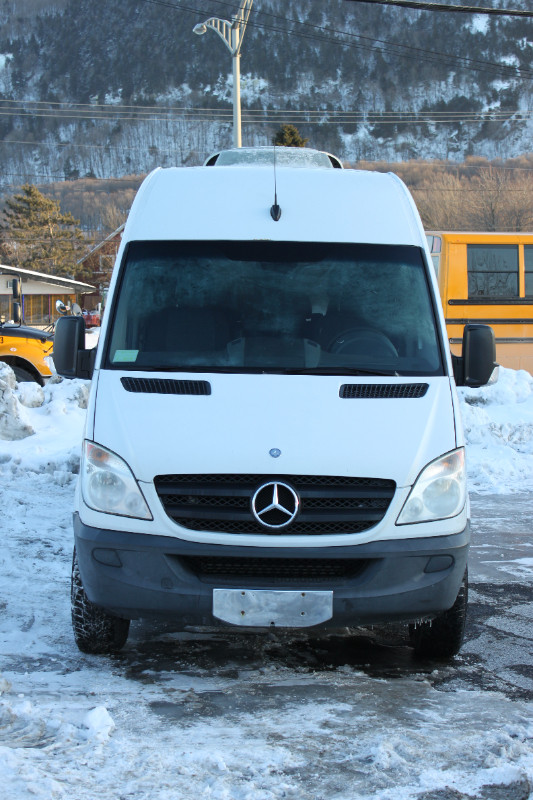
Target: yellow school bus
{"type": "Point", "coordinates": [26, 351]}
{"type": "Point", "coordinates": [488, 278]}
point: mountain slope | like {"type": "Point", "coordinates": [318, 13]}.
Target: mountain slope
{"type": "Point", "coordinates": [89, 87]}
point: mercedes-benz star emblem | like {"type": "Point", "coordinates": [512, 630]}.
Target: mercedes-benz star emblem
{"type": "Point", "coordinates": [275, 505]}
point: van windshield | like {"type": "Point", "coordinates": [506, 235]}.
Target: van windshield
{"type": "Point", "coordinates": [316, 308]}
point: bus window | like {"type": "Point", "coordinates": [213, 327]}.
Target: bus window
{"type": "Point", "coordinates": [492, 270]}
{"type": "Point", "coordinates": [487, 278]}
{"type": "Point", "coordinates": [435, 246]}
{"type": "Point", "coordinates": [528, 263]}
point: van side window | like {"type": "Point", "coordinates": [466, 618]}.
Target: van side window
{"type": "Point", "coordinates": [492, 270]}
{"type": "Point", "coordinates": [528, 263]}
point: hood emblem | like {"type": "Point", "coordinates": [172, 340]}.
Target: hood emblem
{"type": "Point", "coordinates": [275, 505]}
{"type": "Point", "coordinates": [275, 452]}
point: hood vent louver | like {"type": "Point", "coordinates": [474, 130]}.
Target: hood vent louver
{"type": "Point", "coordinates": [165, 386]}
{"type": "Point", "coordinates": [370, 391]}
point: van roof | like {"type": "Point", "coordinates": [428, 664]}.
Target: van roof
{"type": "Point", "coordinates": [234, 203]}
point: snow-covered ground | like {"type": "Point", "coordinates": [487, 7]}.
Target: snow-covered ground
{"type": "Point", "coordinates": [498, 423]}
{"type": "Point", "coordinates": [168, 721]}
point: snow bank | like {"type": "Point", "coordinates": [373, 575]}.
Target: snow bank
{"type": "Point", "coordinates": [498, 423]}
{"type": "Point", "coordinates": [42, 426]}
{"type": "Point", "coordinates": [13, 422]}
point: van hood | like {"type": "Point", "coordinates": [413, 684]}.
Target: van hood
{"type": "Point", "coordinates": [273, 425]}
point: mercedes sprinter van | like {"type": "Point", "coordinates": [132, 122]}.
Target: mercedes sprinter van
{"type": "Point", "coordinates": [273, 436]}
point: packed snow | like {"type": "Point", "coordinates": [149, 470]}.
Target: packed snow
{"type": "Point", "coordinates": [498, 423]}
{"type": "Point", "coordinates": [177, 725]}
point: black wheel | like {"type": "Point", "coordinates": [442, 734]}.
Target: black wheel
{"type": "Point", "coordinates": [443, 636]}
{"type": "Point", "coordinates": [22, 375]}
{"type": "Point", "coordinates": [95, 631]}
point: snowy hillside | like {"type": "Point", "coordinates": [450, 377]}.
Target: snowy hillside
{"type": "Point", "coordinates": [96, 88]}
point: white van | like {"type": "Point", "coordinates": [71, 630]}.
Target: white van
{"type": "Point", "coordinates": [273, 435]}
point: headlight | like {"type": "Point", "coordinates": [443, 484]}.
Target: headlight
{"type": "Point", "coordinates": [49, 361]}
{"type": "Point", "coordinates": [439, 491]}
{"type": "Point", "coordinates": [108, 485]}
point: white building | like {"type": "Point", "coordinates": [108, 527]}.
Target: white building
{"type": "Point", "coordinates": [39, 294]}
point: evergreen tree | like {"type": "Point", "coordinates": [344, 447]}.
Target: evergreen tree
{"type": "Point", "coordinates": [36, 235]}
{"type": "Point", "coordinates": [289, 136]}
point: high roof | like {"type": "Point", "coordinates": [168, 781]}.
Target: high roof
{"type": "Point", "coordinates": [232, 203]}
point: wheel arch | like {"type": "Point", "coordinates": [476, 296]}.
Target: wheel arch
{"type": "Point", "coordinates": [23, 363]}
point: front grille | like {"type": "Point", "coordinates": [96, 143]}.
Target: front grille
{"type": "Point", "coordinates": [275, 570]}
{"type": "Point", "coordinates": [222, 503]}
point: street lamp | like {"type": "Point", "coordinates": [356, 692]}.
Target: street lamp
{"type": "Point", "coordinates": [232, 35]}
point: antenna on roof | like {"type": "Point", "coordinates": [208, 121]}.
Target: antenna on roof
{"type": "Point", "coordinates": [275, 210]}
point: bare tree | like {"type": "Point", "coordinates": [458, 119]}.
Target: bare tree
{"type": "Point", "coordinates": [489, 199]}
{"type": "Point", "coordinates": [112, 217]}
{"type": "Point", "coordinates": [441, 203]}
{"type": "Point", "coordinates": [501, 202]}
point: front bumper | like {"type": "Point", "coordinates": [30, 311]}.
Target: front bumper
{"type": "Point", "coordinates": [143, 576]}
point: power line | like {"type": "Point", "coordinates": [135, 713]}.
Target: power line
{"type": "Point", "coordinates": [500, 12]}
{"type": "Point", "coordinates": [320, 118]}
{"type": "Point", "coordinates": [404, 51]}
{"type": "Point", "coordinates": [55, 145]}
{"type": "Point", "coordinates": [113, 111]}
{"type": "Point", "coordinates": [29, 176]}
{"type": "Point", "coordinates": [257, 113]}
{"type": "Point", "coordinates": [9, 239]}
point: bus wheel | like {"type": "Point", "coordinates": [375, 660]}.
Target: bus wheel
{"type": "Point", "coordinates": [95, 631]}
{"type": "Point", "coordinates": [22, 375]}
{"type": "Point", "coordinates": [443, 636]}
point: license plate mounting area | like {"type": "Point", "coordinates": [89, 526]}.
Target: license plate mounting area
{"type": "Point", "coordinates": [272, 608]}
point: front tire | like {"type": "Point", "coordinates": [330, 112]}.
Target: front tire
{"type": "Point", "coordinates": [95, 631]}
{"type": "Point", "coordinates": [22, 375]}
{"type": "Point", "coordinates": [443, 636]}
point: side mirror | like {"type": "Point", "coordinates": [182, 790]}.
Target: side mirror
{"type": "Point", "coordinates": [61, 307]}
{"type": "Point", "coordinates": [478, 361]}
{"type": "Point", "coordinates": [16, 289]}
{"type": "Point", "coordinates": [17, 313]}
{"type": "Point", "coordinates": [71, 359]}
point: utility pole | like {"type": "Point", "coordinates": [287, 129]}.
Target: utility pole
{"type": "Point", "coordinates": [232, 34]}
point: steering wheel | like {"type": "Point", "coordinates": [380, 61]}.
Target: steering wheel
{"type": "Point", "coordinates": [363, 341]}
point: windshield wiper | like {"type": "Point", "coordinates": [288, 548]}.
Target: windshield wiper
{"type": "Point", "coordinates": [171, 368]}
{"type": "Point", "coordinates": [340, 371]}
{"type": "Point", "coordinates": [257, 370]}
